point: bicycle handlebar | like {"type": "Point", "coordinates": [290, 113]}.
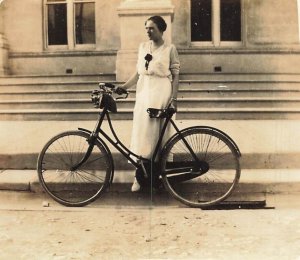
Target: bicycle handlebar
{"type": "Point", "coordinates": [109, 88]}
{"type": "Point", "coordinates": [103, 85]}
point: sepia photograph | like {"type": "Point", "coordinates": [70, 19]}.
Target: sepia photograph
{"type": "Point", "coordinates": [150, 129]}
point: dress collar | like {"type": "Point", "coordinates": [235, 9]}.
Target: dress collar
{"type": "Point", "coordinates": [151, 51]}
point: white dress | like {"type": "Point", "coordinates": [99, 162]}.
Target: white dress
{"type": "Point", "coordinates": [153, 90]}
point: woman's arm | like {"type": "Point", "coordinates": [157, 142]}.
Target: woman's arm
{"type": "Point", "coordinates": [174, 67]}
{"type": "Point", "coordinates": [131, 81]}
{"type": "Point", "coordinates": [175, 83]}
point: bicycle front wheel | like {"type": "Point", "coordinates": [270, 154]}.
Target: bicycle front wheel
{"type": "Point", "coordinates": [204, 181]}
{"type": "Point", "coordinates": [69, 186]}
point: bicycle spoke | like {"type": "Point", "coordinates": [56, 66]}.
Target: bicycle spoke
{"type": "Point", "coordinates": [74, 188]}
{"type": "Point", "coordinates": [57, 155]}
{"type": "Point", "coordinates": [89, 174]}
{"type": "Point", "coordinates": [217, 158]}
{"type": "Point", "coordinates": [92, 161]}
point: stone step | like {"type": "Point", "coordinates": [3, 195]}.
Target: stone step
{"type": "Point", "coordinates": [277, 188]}
{"type": "Point", "coordinates": [210, 113]}
{"type": "Point", "coordinates": [248, 176]}
{"type": "Point", "coordinates": [248, 161]}
{"type": "Point", "coordinates": [240, 102]}
{"type": "Point", "coordinates": [238, 93]}
{"type": "Point", "coordinates": [45, 95]}
{"type": "Point", "coordinates": [183, 103]}
{"type": "Point", "coordinates": [50, 86]}
{"type": "Point", "coordinates": [264, 144]}
{"type": "Point", "coordinates": [185, 79]}
{"type": "Point", "coordinates": [213, 85]}
{"type": "Point", "coordinates": [263, 77]}
{"type": "Point", "coordinates": [42, 79]}
{"type": "Point", "coordinates": [242, 85]}
{"type": "Point", "coordinates": [215, 96]}
{"type": "Point", "coordinates": [202, 92]}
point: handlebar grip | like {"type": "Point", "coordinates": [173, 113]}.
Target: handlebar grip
{"type": "Point", "coordinates": [121, 91]}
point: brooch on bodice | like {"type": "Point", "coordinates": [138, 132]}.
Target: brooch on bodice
{"type": "Point", "coordinates": [148, 58]}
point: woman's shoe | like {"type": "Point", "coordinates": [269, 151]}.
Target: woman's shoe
{"type": "Point", "coordinates": [135, 186]}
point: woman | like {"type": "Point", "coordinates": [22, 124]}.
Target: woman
{"type": "Point", "coordinates": [157, 77]}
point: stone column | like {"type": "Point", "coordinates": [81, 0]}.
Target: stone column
{"type": "Point", "coordinates": [3, 45]}
{"type": "Point", "coordinates": [132, 15]}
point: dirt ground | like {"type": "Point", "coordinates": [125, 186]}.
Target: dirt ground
{"type": "Point", "coordinates": [30, 231]}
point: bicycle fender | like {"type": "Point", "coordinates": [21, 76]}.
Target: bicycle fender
{"type": "Point", "coordinates": [105, 147]}
{"type": "Point", "coordinates": [84, 130]}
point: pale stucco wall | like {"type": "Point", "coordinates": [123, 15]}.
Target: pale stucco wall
{"type": "Point", "coordinates": [180, 31]}
{"type": "Point", "coordinates": [1, 18]}
{"type": "Point", "coordinates": [107, 25]}
{"type": "Point", "coordinates": [23, 28]}
{"type": "Point", "coordinates": [270, 40]}
{"type": "Point", "coordinates": [271, 22]}
{"type": "Point", "coordinates": [3, 45]}
{"type": "Point", "coordinates": [270, 33]}
{"type": "Point", "coordinates": [24, 25]}
{"type": "Point", "coordinates": [266, 21]}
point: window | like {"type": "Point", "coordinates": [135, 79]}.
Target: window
{"type": "Point", "coordinates": [216, 22]}
{"type": "Point", "coordinates": [85, 23]}
{"type": "Point", "coordinates": [57, 24]}
{"type": "Point", "coordinates": [69, 23]}
{"type": "Point", "coordinates": [201, 14]}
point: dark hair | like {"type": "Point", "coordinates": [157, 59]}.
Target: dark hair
{"type": "Point", "coordinates": [159, 21]}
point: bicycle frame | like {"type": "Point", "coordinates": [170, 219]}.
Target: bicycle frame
{"type": "Point", "coordinates": [198, 169]}
{"type": "Point", "coordinates": [128, 154]}
{"type": "Point", "coordinates": [107, 104]}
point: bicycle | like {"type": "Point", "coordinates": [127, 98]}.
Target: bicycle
{"type": "Point", "coordinates": [199, 166]}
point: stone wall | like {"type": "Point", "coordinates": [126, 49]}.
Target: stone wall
{"type": "Point", "coordinates": [3, 45]}
{"type": "Point", "coordinates": [270, 39]}
{"type": "Point", "coordinates": [272, 22]}
{"type": "Point", "coordinates": [265, 22]}
{"type": "Point", "coordinates": [28, 55]}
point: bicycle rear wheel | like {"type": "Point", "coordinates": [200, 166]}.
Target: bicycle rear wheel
{"type": "Point", "coordinates": [207, 181]}
{"type": "Point", "coordinates": [74, 187]}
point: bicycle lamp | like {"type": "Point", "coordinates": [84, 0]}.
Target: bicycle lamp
{"type": "Point", "coordinates": [96, 98]}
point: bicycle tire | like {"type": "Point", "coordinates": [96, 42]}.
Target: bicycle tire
{"type": "Point", "coordinates": [216, 151]}
{"type": "Point", "coordinates": [74, 188]}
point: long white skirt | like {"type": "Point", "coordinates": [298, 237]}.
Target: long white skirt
{"type": "Point", "coordinates": [151, 92]}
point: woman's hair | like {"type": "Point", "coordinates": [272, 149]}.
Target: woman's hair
{"type": "Point", "coordinates": [159, 21]}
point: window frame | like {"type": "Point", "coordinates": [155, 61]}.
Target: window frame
{"type": "Point", "coordinates": [216, 29]}
{"type": "Point", "coordinates": [71, 30]}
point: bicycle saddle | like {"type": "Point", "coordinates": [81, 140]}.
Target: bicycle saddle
{"type": "Point", "coordinates": [160, 113]}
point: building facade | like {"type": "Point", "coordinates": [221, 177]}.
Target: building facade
{"type": "Point", "coordinates": [240, 60]}
{"type": "Point", "coordinates": [52, 37]}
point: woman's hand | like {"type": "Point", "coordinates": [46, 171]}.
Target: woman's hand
{"type": "Point", "coordinates": [120, 90]}
{"type": "Point", "coordinates": [173, 104]}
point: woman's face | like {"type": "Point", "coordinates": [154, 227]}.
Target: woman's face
{"type": "Point", "coordinates": [152, 30]}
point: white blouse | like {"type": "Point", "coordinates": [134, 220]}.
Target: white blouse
{"type": "Point", "coordinates": [164, 63]}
